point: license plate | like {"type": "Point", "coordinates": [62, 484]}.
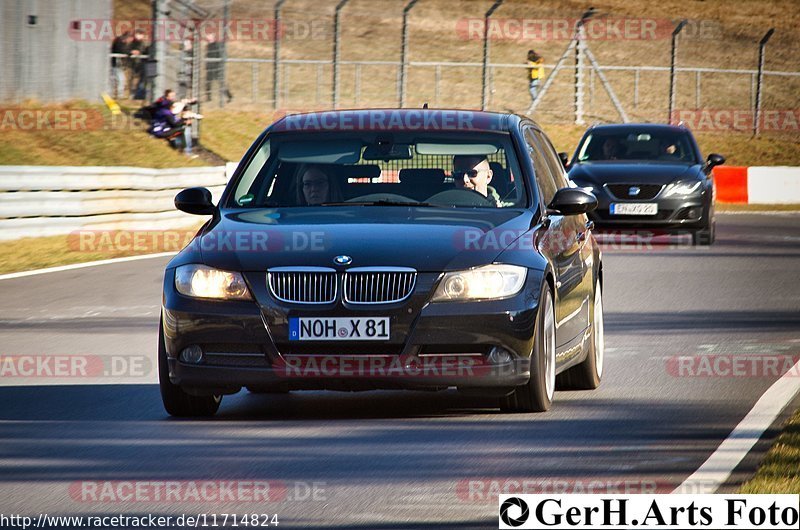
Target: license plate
{"type": "Point", "coordinates": [339, 328]}
{"type": "Point", "coordinates": [634, 208]}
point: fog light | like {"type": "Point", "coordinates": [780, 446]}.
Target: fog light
{"type": "Point", "coordinates": [193, 354]}
{"type": "Point", "coordinates": [499, 356]}
{"type": "Point", "coordinates": [691, 214]}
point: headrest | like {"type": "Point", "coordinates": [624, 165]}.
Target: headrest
{"type": "Point", "coordinates": [429, 176]}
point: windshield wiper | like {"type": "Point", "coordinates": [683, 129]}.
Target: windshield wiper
{"type": "Point", "coordinates": [384, 202]}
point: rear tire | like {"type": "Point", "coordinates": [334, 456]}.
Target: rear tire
{"type": "Point", "coordinates": [587, 375]}
{"type": "Point", "coordinates": [537, 394]}
{"type": "Point", "coordinates": [176, 401]}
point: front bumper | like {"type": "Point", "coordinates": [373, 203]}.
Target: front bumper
{"type": "Point", "coordinates": [677, 213]}
{"type": "Point", "coordinates": [430, 346]}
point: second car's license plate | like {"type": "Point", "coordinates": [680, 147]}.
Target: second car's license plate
{"type": "Point", "coordinates": [339, 328]}
{"type": "Point", "coordinates": [634, 208]}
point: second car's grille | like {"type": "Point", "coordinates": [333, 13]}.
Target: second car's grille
{"type": "Point", "coordinates": [309, 285]}
{"type": "Point", "coordinates": [628, 191]}
{"type": "Point", "coordinates": [368, 285]}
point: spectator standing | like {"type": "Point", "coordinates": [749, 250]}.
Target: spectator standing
{"type": "Point", "coordinates": [186, 72]}
{"type": "Point", "coordinates": [138, 47]}
{"type": "Point", "coordinates": [535, 73]}
{"type": "Point", "coordinates": [120, 46]}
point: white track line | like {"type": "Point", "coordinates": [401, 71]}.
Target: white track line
{"type": "Point", "coordinates": [83, 265]}
{"type": "Point", "coordinates": [718, 468]}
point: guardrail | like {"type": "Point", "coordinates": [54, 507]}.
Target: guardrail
{"type": "Point", "coordinates": [38, 201]}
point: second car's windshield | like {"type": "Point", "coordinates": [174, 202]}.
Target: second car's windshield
{"type": "Point", "coordinates": [656, 146]}
{"type": "Point", "coordinates": [424, 169]}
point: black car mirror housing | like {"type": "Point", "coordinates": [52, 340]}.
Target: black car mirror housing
{"type": "Point", "coordinates": [196, 201]}
{"type": "Point", "coordinates": [572, 201]}
{"type": "Point", "coordinates": [714, 160]}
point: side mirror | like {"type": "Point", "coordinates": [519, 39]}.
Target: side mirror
{"type": "Point", "coordinates": [572, 201]}
{"type": "Point", "coordinates": [564, 157]}
{"type": "Point", "coordinates": [196, 201]}
{"type": "Point", "coordinates": [714, 160]}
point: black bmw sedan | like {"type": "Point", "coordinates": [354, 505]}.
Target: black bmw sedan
{"type": "Point", "coordinates": [387, 249]}
{"type": "Point", "coordinates": [647, 176]}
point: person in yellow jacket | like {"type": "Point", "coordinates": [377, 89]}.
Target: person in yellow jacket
{"type": "Point", "coordinates": [535, 73]}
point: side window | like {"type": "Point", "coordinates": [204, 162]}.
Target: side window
{"type": "Point", "coordinates": [551, 157]}
{"type": "Point", "coordinates": [544, 177]}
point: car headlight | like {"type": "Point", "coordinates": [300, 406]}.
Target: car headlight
{"type": "Point", "coordinates": [199, 281]}
{"type": "Point", "coordinates": [682, 187]}
{"type": "Point", "coordinates": [490, 282]}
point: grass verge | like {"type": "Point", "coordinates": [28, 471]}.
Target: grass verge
{"type": "Point", "coordinates": [41, 252]}
{"type": "Point", "coordinates": [780, 470]}
{"type": "Point", "coordinates": [94, 138]}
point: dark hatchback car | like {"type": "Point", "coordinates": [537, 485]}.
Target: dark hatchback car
{"type": "Point", "coordinates": [647, 176]}
{"type": "Point", "coordinates": [386, 249]}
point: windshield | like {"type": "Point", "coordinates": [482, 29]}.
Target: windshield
{"type": "Point", "coordinates": [401, 169]}
{"type": "Point", "coordinates": [661, 146]}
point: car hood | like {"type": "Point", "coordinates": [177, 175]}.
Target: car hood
{"type": "Point", "coordinates": [426, 239]}
{"type": "Point", "coordinates": [632, 173]}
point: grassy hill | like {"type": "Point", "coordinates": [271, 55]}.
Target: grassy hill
{"type": "Point", "coordinates": [721, 34]}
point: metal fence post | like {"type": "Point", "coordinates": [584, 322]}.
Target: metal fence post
{"type": "Point", "coordinates": [159, 9]}
{"type": "Point", "coordinates": [579, 54]}
{"type": "Point", "coordinates": [197, 56]}
{"type": "Point", "coordinates": [226, 13]}
{"type": "Point", "coordinates": [673, 54]}
{"type": "Point", "coordinates": [404, 55]}
{"type": "Point", "coordinates": [486, 18]}
{"type": "Point", "coordinates": [339, 7]}
{"type": "Point", "coordinates": [761, 46]}
{"type": "Point", "coordinates": [276, 54]}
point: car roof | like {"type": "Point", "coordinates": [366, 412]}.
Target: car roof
{"type": "Point", "coordinates": [397, 120]}
{"type": "Point", "coordinates": [623, 127]}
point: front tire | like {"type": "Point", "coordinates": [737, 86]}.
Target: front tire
{"type": "Point", "coordinates": [587, 375]}
{"type": "Point", "coordinates": [537, 394]}
{"type": "Point", "coordinates": [705, 236]}
{"type": "Point", "coordinates": [176, 401]}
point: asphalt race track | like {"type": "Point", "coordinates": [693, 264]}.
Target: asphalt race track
{"type": "Point", "coordinates": [385, 460]}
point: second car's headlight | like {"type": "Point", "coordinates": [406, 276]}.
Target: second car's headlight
{"type": "Point", "coordinates": [199, 281]}
{"type": "Point", "coordinates": [482, 283]}
{"type": "Point", "coordinates": [682, 187]}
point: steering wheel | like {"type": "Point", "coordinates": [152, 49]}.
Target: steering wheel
{"type": "Point", "coordinates": [462, 197]}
